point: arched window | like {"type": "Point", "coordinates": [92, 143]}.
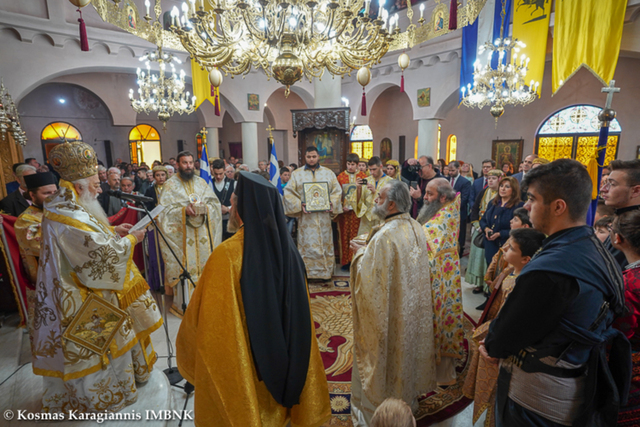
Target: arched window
{"type": "Point", "coordinates": [57, 133]}
{"type": "Point", "coordinates": [452, 148]}
{"type": "Point", "coordinates": [573, 133]}
{"type": "Point", "coordinates": [362, 141]}
{"type": "Point", "coordinates": [144, 144]}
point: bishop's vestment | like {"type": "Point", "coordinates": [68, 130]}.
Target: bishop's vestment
{"type": "Point", "coordinates": [315, 238]}
{"type": "Point", "coordinates": [348, 222]}
{"type": "Point", "coordinates": [364, 207]}
{"type": "Point", "coordinates": [441, 232]}
{"type": "Point", "coordinates": [28, 229]}
{"type": "Point", "coordinates": [391, 299]}
{"type": "Point", "coordinates": [191, 238]}
{"type": "Point", "coordinates": [81, 256]}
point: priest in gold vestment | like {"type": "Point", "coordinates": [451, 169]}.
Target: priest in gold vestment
{"type": "Point", "coordinates": [440, 215]}
{"type": "Point", "coordinates": [192, 223]}
{"type": "Point", "coordinates": [82, 257]}
{"type": "Point", "coordinates": [392, 308]}
{"type": "Point", "coordinates": [315, 237]}
{"type": "Point", "coordinates": [364, 198]}
{"type": "Point", "coordinates": [247, 341]}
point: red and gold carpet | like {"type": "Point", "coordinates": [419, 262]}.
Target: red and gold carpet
{"type": "Point", "coordinates": [331, 310]}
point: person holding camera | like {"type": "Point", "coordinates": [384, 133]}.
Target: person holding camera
{"type": "Point", "coordinates": [419, 173]}
{"type": "Point", "coordinates": [366, 193]}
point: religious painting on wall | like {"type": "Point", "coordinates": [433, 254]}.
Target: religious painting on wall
{"type": "Point", "coordinates": [385, 150]}
{"type": "Point", "coordinates": [132, 15]}
{"type": "Point", "coordinates": [315, 196]}
{"type": "Point", "coordinates": [440, 18]}
{"type": "Point", "coordinates": [507, 151]}
{"type": "Point", "coordinates": [424, 97]}
{"type": "Point", "coordinates": [253, 101]}
{"type": "Point", "coordinates": [327, 141]}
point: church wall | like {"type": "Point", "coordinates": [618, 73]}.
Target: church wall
{"type": "Point", "coordinates": [229, 132]}
{"type": "Point", "coordinates": [475, 129]}
{"type": "Point", "coordinates": [392, 116]}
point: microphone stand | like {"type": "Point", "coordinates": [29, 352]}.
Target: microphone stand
{"type": "Point", "coordinates": [173, 375]}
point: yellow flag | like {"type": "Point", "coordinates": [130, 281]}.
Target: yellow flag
{"type": "Point", "coordinates": [587, 33]}
{"type": "Point", "coordinates": [531, 26]}
{"type": "Point", "coordinates": [202, 88]}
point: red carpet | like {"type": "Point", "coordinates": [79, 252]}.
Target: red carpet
{"type": "Point", "coordinates": [331, 309]}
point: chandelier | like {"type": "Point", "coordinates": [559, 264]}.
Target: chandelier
{"type": "Point", "coordinates": [162, 92]}
{"type": "Point", "coordinates": [504, 84]}
{"type": "Point", "coordinates": [9, 118]}
{"type": "Point", "coordinates": [288, 40]}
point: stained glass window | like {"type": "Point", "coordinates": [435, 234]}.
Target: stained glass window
{"type": "Point", "coordinates": [362, 142]}
{"type": "Point", "coordinates": [144, 144]}
{"type": "Point", "coordinates": [60, 131]}
{"type": "Point", "coordinates": [452, 148]}
{"type": "Point", "coordinates": [573, 133]}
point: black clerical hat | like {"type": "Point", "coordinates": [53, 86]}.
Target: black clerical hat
{"type": "Point", "coordinates": [37, 180]}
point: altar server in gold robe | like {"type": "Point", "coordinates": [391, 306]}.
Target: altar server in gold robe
{"type": "Point", "coordinates": [392, 308]}
{"type": "Point", "coordinates": [315, 238]}
{"type": "Point", "coordinates": [363, 199]}
{"type": "Point", "coordinates": [83, 258]}
{"type": "Point", "coordinates": [192, 223]}
{"type": "Point", "coordinates": [247, 341]}
{"type": "Point", "coordinates": [28, 226]}
{"type": "Point", "coordinates": [440, 215]}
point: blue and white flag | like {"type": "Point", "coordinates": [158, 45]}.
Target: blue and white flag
{"type": "Point", "coordinates": [205, 171]}
{"type": "Point", "coordinates": [274, 169]}
{"type": "Point", "coordinates": [486, 28]}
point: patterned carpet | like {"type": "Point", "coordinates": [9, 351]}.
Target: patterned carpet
{"type": "Point", "coordinates": [331, 309]}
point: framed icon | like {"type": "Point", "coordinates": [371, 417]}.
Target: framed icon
{"type": "Point", "coordinates": [347, 191]}
{"type": "Point", "coordinates": [316, 196]}
{"type": "Point", "coordinates": [95, 324]}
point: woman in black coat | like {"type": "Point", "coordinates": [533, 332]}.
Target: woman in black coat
{"type": "Point", "coordinates": [496, 220]}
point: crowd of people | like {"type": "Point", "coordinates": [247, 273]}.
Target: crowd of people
{"type": "Point", "coordinates": [254, 248]}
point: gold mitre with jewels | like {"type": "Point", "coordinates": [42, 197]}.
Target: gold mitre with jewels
{"type": "Point", "coordinates": [74, 160]}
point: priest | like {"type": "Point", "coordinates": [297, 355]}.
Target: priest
{"type": "Point", "coordinates": [440, 215]}
{"type": "Point", "coordinates": [364, 198]}
{"type": "Point", "coordinates": [315, 237]}
{"type": "Point", "coordinates": [348, 222]}
{"type": "Point", "coordinates": [247, 341]}
{"type": "Point", "coordinates": [392, 309]}
{"type": "Point", "coordinates": [192, 223]}
{"type": "Point", "coordinates": [83, 259]}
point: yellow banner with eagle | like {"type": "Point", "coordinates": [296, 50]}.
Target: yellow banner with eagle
{"type": "Point", "coordinates": [531, 26]}
{"type": "Point", "coordinates": [587, 34]}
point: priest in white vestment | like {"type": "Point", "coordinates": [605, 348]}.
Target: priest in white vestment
{"type": "Point", "coordinates": [192, 224]}
{"type": "Point", "coordinates": [392, 310]}
{"type": "Point", "coordinates": [315, 237]}
{"type": "Point", "coordinates": [84, 259]}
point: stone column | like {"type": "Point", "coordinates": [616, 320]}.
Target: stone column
{"type": "Point", "coordinates": [328, 91]}
{"type": "Point", "coordinates": [213, 146]}
{"type": "Point", "coordinates": [250, 144]}
{"type": "Point", "coordinates": [428, 138]}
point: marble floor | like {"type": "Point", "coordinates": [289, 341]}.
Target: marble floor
{"type": "Point", "coordinates": [21, 389]}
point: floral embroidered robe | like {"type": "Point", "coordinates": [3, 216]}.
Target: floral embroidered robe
{"type": "Point", "coordinates": [441, 232]}
{"type": "Point", "coordinates": [28, 228]}
{"type": "Point", "coordinates": [81, 256]}
{"type": "Point", "coordinates": [348, 222]}
{"type": "Point", "coordinates": [315, 238]}
{"type": "Point", "coordinates": [191, 238]}
{"type": "Point", "coordinates": [364, 207]}
{"type": "Point", "coordinates": [391, 298]}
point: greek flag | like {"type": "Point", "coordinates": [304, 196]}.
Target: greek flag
{"type": "Point", "coordinates": [274, 170]}
{"type": "Point", "coordinates": [485, 29]}
{"type": "Point", "coordinates": [205, 171]}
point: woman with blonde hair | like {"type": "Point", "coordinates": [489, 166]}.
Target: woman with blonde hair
{"type": "Point", "coordinates": [392, 169]}
{"type": "Point", "coordinates": [466, 170]}
{"type": "Point", "coordinates": [393, 413]}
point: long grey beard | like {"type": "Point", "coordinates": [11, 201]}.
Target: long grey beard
{"type": "Point", "coordinates": [381, 211]}
{"type": "Point", "coordinates": [90, 204]}
{"type": "Point", "coordinates": [428, 211]}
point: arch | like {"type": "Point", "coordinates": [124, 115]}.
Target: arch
{"type": "Point", "coordinates": [306, 97]}
{"type": "Point", "coordinates": [126, 49]}
{"type": "Point", "coordinates": [561, 121]}
{"type": "Point", "coordinates": [228, 106]}
{"type": "Point", "coordinates": [45, 38]}
{"type": "Point", "coordinates": [270, 118]}
{"type": "Point", "coordinates": [449, 104]}
{"type": "Point", "coordinates": [56, 133]}
{"type": "Point", "coordinates": [12, 32]}
{"type": "Point", "coordinates": [375, 92]}
{"type": "Point", "coordinates": [144, 144]}
{"type": "Point", "coordinates": [98, 46]}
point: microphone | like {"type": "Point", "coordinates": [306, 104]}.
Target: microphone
{"type": "Point", "coordinates": [133, 197]}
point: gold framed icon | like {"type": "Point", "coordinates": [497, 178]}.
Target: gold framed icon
{"type": "Point", "coordinates": [316, 196]}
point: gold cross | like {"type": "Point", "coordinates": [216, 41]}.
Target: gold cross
{"type": "Point", "coordinates": [204, 133]}
{"type": "Point", "coordinates": [270, 129]}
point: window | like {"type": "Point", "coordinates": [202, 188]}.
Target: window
{"type": "Point", "coordinates": [572, 133]}
{"type": "Point", "coordinates": [144, 145]}
{"type": "Point", "coordinates": [452, 148]}
{"type": "Point", "coordinates": [57, 133]}
{"type": "Point", "coordinates": [362, 142]}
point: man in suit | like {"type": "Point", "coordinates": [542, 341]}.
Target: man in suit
{"type": "Point", "coordinates": [421, 172]}
{"type": "Point", "coordinates": [480, 183]}
{"type": "Point", "coordinates": [110, 204]}
{"type": "Point", "coordinates": [16, 203]}
{"type": "Point", "coordinates": [463, 186]}
{"type": "Point", "coordinates": [526, 167]}
{"type": "Point", "coordinates": [223, 187]}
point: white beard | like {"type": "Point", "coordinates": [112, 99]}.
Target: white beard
{"type": "Point", "coordinates": [90, 204]}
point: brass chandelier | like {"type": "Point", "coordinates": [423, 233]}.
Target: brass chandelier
{"type": "Point", "coordinates": [9, 118]}
{"type": "Point", "coordinates": [287, 39]}
{"type": "Point", "coordinates": [505, 84]}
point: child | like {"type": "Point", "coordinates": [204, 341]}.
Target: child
{"type": "Point", "coordinates": [363, 166]}
{"type": "Point", "coordinates": [393, 413]}
{"type": "Point", "coordinates": [601, 227]}
{"type": "Point", "coordinates": [482, 378]}
{"type": "Point", "coordinates": [603, 210]}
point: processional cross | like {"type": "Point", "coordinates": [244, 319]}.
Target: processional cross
{"type": "Point", "coordinates": [607, 114]}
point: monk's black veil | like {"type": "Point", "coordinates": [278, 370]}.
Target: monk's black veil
{"type": "Point", "coordinates": [274, 291]}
